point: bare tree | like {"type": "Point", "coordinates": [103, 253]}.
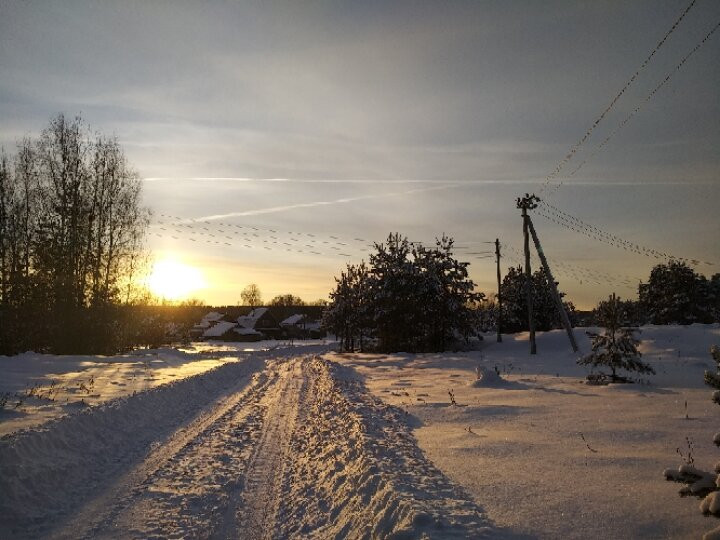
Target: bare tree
{"type": "Point", "coordinates": [287, 300]}
{"type": "Point", "coordinates": [251, 295]}
{"type": "Point", "coordinates": [72, 230]}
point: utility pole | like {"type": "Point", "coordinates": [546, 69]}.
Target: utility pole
{"type": "Point", "coordinates": [528, 203]}
{"type": "Point", "coordinates": [553, 286]}
{"type": "Point", "coordinates": [499, 294]}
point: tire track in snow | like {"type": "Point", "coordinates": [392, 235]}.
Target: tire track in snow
{"type": "Point", "coordinates": [108, 514]}
{"type": "Point", "coordinates": [302, 451]}
{"type": "Point", "coordinates": [253, 510]}
{"type": "Point", "coordinates": [49, 474]}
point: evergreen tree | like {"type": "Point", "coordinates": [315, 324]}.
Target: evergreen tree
{"type": "Point", "coordinates": [616, 347]}
{"type": "Point", "coordinates": [515, 312]}
{"type": "Point", "coordinates": [450, 295]}
{"type": "Point", "coordinates": [676, 294]}
{"type": "Point", "coordinates": [713, 379]}
{"type": "Point", "coordinates": [347, 314]}
{"type": "Point", "coordinates": [410, 298]}
{"type": "Point", "coordinates": [398, 295]}
{"type": "Point", "coordinates": [714, 297]}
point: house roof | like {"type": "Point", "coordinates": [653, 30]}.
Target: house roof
{"type": "Point", "coordinates": [213, 316]}
{"type": "Point", "coordinates": [218, 329]}
{"type": "Point", "coordinates": [292, 320]}
{"type": "Point", "coordinates": [251, 319]}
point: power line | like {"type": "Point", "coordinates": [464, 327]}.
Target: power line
{"type": "Point", "coordinates": [624, 122]}
{"type": "Point", "coordinates": [183, 222]}
{"type": "Point", "coordinates": [586, 136]}
{"type": "Point", "coordinates": [576, 224]}
{"type": "Point", "coordinates": [230, 234]}
{"type": "Point", "coordinates": [580, 274]}
{"type": "Point", "coordinates": [313, 237]}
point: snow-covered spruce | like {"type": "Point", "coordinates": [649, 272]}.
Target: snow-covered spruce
{"type": "Point", "coordinates": [358, 472]}
{"type": "Point", "coordinates": [410, 298]}
{"type": "Point", "coordinates": [617, 347]}
{"type": "Point", "coordinates": [702, 483]}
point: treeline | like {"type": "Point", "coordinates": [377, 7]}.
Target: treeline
{"type": "Point", "coordinates": [413, 298]}
{"type": "Point", "coordinates": [409, 298]}
{"type": "Point", "coordinates": [674, 294]}
{"type": "Point", "coordinates": [514, 304]}
{"type": "Point", "coordinates": [71, 240]}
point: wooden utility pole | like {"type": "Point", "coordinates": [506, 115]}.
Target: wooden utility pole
{"type": "Point", "coordinates": [528, 203]}
{"type": "Point", "coordinates": [553, 286]}
{"type": "Point", "coordinates": [499, 294]}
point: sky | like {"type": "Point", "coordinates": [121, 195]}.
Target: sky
{"type": "Point", "coordinates": [320, 127]}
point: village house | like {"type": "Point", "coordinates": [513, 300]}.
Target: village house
{"type": "Point", "coordinates": [261, 320]}
{"type": "Point", "coordinates": [299, 326]}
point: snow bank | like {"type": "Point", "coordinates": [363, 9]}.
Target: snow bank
{"type": "Point", "coordinates": [358, 473]}
{"type": "Point", "coordinates": [35, 388]}
{"type": "Point", "coordinates": [46, 472]}
{"type": "Point", "coordinates": [511, 446]}
{"type": "Point", "coordinates": [488, 378]}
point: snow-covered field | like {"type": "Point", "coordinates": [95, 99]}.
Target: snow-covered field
{"type": "Point", "coordinates": [288, 443]}
{"type": "Point", "coordinates": [38, 387]}
{"type": "Point", "coordinates": [275, 445]}
{"type": "Point", "coordinates": [549, 456]}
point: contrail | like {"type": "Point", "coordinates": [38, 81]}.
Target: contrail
{"type": "Point", "coordinates": [274, 209]}
{"type": "Point", "coordinates": [297, 180]}
{"type": "Point", "coordinates": [458, 183]}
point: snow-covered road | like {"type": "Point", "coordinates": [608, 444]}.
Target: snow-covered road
{"type": "Point", "coordinates": [264, 448]}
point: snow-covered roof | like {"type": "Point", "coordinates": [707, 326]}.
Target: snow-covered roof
{"type": "Point", "coordinates": [292, 320]}
{"type": "Point", "coordinates": [218, 329]}
{"type": "Point", "coordinates": [202, 324]}
{"type": "Point", "coordinates": [251, 319]}
{"type": "Point", "coordinates": [213, 316]}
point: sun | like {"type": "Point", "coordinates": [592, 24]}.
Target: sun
{"type": "Point", "coordinates": [173, 280]}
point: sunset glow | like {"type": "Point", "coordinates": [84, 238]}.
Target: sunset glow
{"type": "Point", "coordinates": [174, 280]}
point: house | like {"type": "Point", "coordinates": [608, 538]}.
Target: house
{"type": "Point", "coordinates": [314, 329]}
{"type": "Point", "coordinates": [257, 325]}
{"type": "Point", "coordinates": [211, 318]}
{"type": "Point", "coordinates": [293, 320]}
{"type": "Point", "coordinates": [299, 326]}
{"type": "Point", "coordinates": [240, 333]}
{"type": "Point", "coordinates": [206, 322]}
{"type": "Point", "coordinates": [260, 320]}
{"type": "Point", "coordinates": [220, 330]}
